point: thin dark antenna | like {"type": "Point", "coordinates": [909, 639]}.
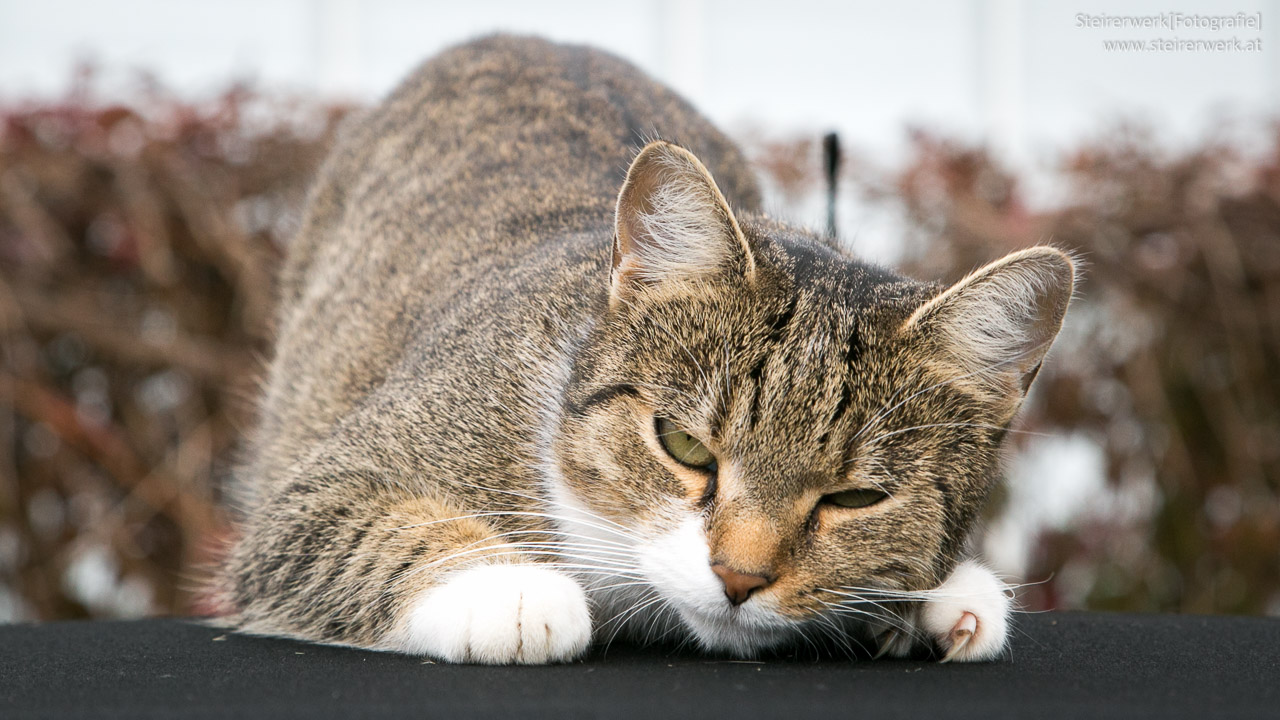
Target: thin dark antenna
{"type": "Point", "coordinates": [831, 166]}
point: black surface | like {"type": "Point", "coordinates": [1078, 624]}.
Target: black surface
{"type": "Point", "coordinates": [1061, 665]}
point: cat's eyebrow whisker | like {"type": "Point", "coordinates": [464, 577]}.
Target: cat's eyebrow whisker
{"type": "Point", "coordinates": [879, 487]}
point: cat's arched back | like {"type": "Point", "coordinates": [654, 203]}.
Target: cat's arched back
{"type": "Point", "coordinates": [490, 145]}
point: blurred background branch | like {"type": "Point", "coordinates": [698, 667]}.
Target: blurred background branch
{"type": "Point", "coordinates": [137, 250]}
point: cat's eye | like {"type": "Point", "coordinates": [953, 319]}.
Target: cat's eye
{"type": "Point", "coordinates": [864, 497]}
{"type": "Point", "coordinates": [683, 447]}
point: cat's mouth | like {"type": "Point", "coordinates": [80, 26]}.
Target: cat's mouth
{"type": "Point", "coordinates": [742, 630]}
{"type": "Point", "coordinates": [739, 630]}
{"type": "Point", "coordinates": [677, 565]}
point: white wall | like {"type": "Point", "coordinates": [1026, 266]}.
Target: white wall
{"type": "Point", "coordinates": [1021, 74]}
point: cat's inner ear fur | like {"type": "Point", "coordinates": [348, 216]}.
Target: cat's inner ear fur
{"type": "Point", "coordinates": [673, 224]}
{"type": "Point", "coordinates": [994, 327]}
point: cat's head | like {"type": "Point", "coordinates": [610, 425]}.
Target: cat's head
{"type": "Point", "coordinates": [760, 423]}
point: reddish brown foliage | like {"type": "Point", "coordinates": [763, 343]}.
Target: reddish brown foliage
{"type": "Point", "coordinates": [1172, 362]}
{"type": "Point", "coordinates": [137, 251]}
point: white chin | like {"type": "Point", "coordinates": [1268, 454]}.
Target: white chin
{"type": "Point", "coordinates": [729, 634]}
{"type": "Point", "coordinates": [677, 563]}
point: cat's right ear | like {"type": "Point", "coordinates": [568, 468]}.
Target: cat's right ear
{"type": "Point", "coordinates": [673, 225]}
{"type": "Point", "coordinates": [994, 327]}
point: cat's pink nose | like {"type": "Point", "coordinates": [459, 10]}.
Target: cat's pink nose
{"type": "Point", "coordinates": [739, 586]}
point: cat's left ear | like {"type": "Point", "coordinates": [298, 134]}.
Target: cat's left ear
{"type": "Point", "coordinates": [994, 327]}
{"type": "Point", "coordinates": [673, 225]}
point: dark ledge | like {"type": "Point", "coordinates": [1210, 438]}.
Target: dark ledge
{"type": "Point", "coordinates": [1071, 665]}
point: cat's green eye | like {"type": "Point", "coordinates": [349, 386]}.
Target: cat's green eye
{"type": "Point", "coordinates": [855, 498]}
{"type": "Point", "coordinates": [683, 447]}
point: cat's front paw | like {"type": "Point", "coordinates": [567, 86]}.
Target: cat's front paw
{"type": "Point", "coordinates": [497, 615]}
{"type": "Point", "coordinates": [968, 615]}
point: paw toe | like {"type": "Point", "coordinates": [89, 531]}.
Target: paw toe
{"type": "Point", "coordinates": [497, 615]}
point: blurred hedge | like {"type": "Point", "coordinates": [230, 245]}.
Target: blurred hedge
{"type": "Point", "coordinates": [137, 251]}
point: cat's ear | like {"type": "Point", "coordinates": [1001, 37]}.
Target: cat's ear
{"type": "Point", "coordinates": [994, 327]}
{"type": "Point", "coordinates": [673, 224]}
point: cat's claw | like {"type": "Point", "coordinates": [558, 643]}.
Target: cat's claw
{"type": "Point", "coordinates": [968, 615]}
{"type": "Point", "coordinates": [886, 644]}
{"type": "Point", "coordinates": [961, 634]}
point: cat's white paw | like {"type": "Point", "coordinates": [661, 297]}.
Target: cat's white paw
{"type": "Point", "coordinates": [968, 615]}
{"type": "Point", "coordinates": [497, 615]}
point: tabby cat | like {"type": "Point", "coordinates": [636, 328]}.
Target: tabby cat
{"type": "Point", "coordinates": [526, 396]}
